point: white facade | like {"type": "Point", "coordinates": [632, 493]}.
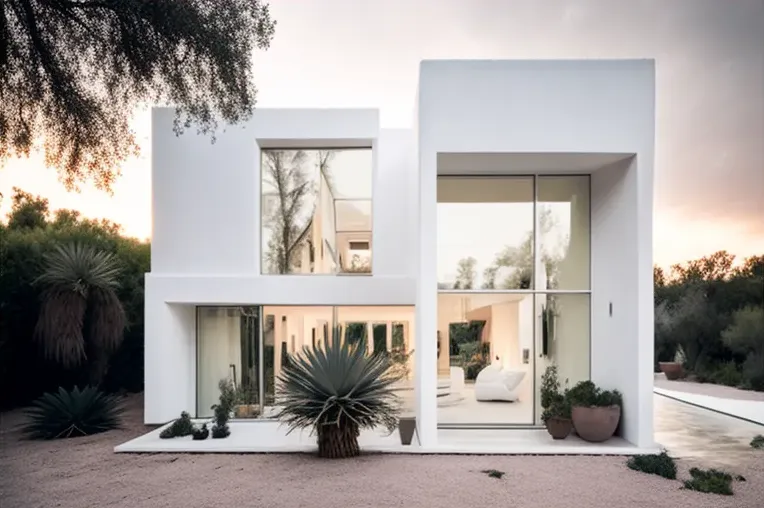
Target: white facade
{"type": "Point", "coordinates": [473, 118]}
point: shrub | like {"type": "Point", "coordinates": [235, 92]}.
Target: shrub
{"type": "Point", "coordinates": [201, 433]}
{"type": "Point", "coordinates": [179, 428]}
{"type": "Point", "coordinates": [72, 413]}
{"type": "Point", "coordinates": [711, 481]}
{"type": "Point", "coordinates": [336, 391]}
{"type": "Point", "coordinates": [660, 464]}
{"type": "Point", "coordinates": [553, 402]}
{"type": "Point", "coordinates": [757, 442]}
{"type": "Point", "coordinates": [493, 473]}
{"type": "Point", "coordinates": [587, 394]}
{"type": "Point", "coordinates": [727, 374]}
{"type": "Point", "coordinates": [222, 410]}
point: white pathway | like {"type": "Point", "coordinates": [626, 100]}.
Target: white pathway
{"type": "Point", "coordinates": [270, 437]}
{"type": "Point", "coordinates": [750, 410]}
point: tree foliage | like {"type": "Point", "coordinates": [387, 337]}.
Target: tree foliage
{"type": "Point", "coordinates": [714, 310]}
{"type": "Point", "coordinates": [72, 72]}
{"type": "Point", "coordinates": [23, 251]}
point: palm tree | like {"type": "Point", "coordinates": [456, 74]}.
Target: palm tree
{"type": "Point", "coordinates": [81, 317]}
{"type": "Point", "coordinates": [336, 391]}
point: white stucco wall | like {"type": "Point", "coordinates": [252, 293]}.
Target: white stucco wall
{"type": "Point", "coordinates": [206, 213]}
{"type": "Point", "coordinates": [546, 108]}
{"type": "Point", "coordinates": [206, 232]}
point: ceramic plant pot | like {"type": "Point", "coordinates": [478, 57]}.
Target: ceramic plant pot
{"type": "Point", "coordinates": [672, 370]}
{"type": "Point", "coordinates": [596, 424]}
{"type": "Point", "coordinates": [406, 429]}
{"type": "Point", "coordinates": [558, 427]}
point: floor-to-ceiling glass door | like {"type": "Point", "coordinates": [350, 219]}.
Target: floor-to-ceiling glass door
{"type": "Point", "coordinates": [513, 293]}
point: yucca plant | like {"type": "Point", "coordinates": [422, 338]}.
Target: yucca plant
{"type": "Point", "coordinates": [72, 413]}
{"type": "Point", "coordinates": [336, 391]}
{"type": "Point", "coordinates": [81, 317]}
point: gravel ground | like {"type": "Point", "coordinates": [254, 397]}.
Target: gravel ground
{"type": "Point", "coordinates": [84, 472]}
{"type": "Point", "coordinates": [725, 392]}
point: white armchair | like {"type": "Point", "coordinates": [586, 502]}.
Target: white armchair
{"type": "Point", "coordinates": [495, 383]}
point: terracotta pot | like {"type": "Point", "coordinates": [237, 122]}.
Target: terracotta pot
{"type": "Point", "coordinates": [672, 370]}
{"type": "Point", "coordinates": [558, 427]}
{"type": "Point", "coordinates": [406, 429]}
{"type": "Point", "coordinates": [246, 410]}
{"type": "Point", "coordinates": [596, 424]}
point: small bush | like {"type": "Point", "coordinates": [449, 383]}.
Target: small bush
{"type": "Point", "coordinates": [711, 481]}
{"type": "Point", "coordinates": [219, 432]}
{"type": "Point", "coordinates": [587, 394]}
{"type": "Point", "coordinates": [757, 442]}
{"type": "Point", "coordinates": [493, 473]}
{"type": "Point", "coordinates": [223, 409]}
{"type": "Point", "coordinates": [72, 413]}
{"type": "Point", "coordinates": [201, 433]}
{"type": "Point", "coordinates": [727, 374]}
{"type": "Point", "coordinates": [661, 464]}
{"type": "Point", "coordinates": [179, 428]}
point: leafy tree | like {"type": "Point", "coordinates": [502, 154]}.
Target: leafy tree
{"type": "Point", "coordinates": [465, 273]}
{"type": "Point", "coordinates": [520, 259]}
{"type": "Point", "coordinates": [489, 277]}
{"type": "Point", "coordinates": [73, 71]}
{"type": "Point", "coordinates": [81, 316]}
{"type": "Point", "coordinates": [27, 211]}
{"type": "Point", "coordinates": [717, 266]}
{"type": "Point", "coordinates": [746, 333]}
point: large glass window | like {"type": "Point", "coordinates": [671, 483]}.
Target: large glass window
{"type": "Point", "coordinates": [485, 233]}
{"type": "Point", "coordinates": [316, 211]}
{"type": "Point", "coordinates": [563, 231]}
{"type": "Point", "coordinates": [513, 261]}
{"type": "Point", "coordinates": [250, 346]}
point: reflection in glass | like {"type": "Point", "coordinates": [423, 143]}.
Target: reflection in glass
{"type": "Point", "coordinates": [562, 338]}
{"type": "Point", "coordinates": [316, 211]}
{"type": "Point", "coordinates": [287, 330]}
{"type": "Point", "coordinates": [227, 349]}
{"type": "Point", "coordinates": [485, 233]}
{"type": "Point", "coordinates": [480, 331]}
{"type": "Point", "coordinates": [563, 231]}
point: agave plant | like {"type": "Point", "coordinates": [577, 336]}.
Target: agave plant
{"type": "Point", "coordinates": [72, 413]}
{"type": "Point", "coordinates": [336, 391]}
{"type": "Point", "coordinates": [81, 316]}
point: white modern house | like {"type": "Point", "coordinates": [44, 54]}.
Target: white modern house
{"type": "Point", "coordinates": [511, 225]}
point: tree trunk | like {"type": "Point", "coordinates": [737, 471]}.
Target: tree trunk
{"type": "Point", "coordinates": [338, 441]}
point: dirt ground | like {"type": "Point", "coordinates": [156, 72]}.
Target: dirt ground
{"type": "Point", "coordinates": [84, 472]}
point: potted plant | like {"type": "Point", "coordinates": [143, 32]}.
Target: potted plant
{"type": "Point", "coordinates": [336, 391]}
{"type": "Point", "coordinates": [555, 405]}
{"type": "Point", "coordinates": [674, 370]}
{"type": "Point", "coordinates": [595, 412]}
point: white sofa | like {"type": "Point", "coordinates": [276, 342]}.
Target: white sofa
{"type": "Point", "coordinates": [495, 383]}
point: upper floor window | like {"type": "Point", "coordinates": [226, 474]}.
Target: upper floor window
{"type": "Point", "coordinates": [316, 211]}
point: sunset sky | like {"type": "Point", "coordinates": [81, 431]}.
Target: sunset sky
{"type": "Point", "coordinates": [709, 168]}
